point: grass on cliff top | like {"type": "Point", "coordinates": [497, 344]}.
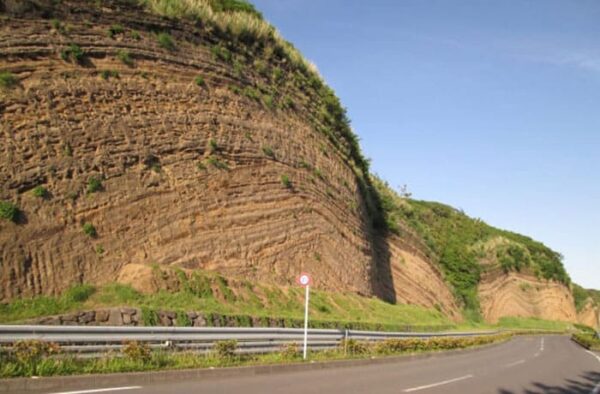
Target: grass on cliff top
{"type": "Point", "coordinates": [530, 323]}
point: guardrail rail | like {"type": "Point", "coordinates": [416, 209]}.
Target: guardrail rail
{"type": "Point", "coordinates": [94, 340]}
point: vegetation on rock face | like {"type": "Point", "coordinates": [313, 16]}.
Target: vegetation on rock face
{"type": "Point", "coordinates": [582, 295]}
{"type": "Point", "coordinates": [8, 211]}
{"type": "Point", "coordinates": [7, 80]}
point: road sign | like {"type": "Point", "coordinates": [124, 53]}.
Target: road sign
{"type": "Point", "coordinates": [305, 280]}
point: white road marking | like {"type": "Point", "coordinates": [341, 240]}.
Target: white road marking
{"type": "Point", "coordinates": [542, 345]}
{"type": "Point", "coordinates": [537, 354]}
{"type": "Point", "coordinates": [594, 354]}
{"type": "Point", "coordinates": [438, 384]}
{"type": "Point", "coordinates": [100, 390]}
{"type": "Point", "coordinates": [515, 363]}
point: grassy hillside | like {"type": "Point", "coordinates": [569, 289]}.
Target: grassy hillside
{"type": "Point", "coordinates": [581, 295]}
{"type": "Point", "coordinates": [458, 243]}
{"type": "Point", "coordinates": [211, 293]}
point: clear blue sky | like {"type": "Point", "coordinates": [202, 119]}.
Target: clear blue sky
{"type": "Point", "coordinates": [492, 107]}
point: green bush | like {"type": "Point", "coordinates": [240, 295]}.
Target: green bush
{"type": "Point", "coordinates": [89, 230]}
{"type": "Point", "coordinates": [225, 349]}
{"type": "Point", "coordinates": [137, 351]}
{"type": "Point", "coordinates": [214, 147]}
{"type": "Point", "coordinates": [30, 353]}
{"type": "Point", "coordinates": [199, 80]}
{"type": "Point", "coordinates": [352, 346]}
{"type": "Point", "coordinates": [587, 340]}
{"type": "Point", "coordinates": [72, 53]}
{"type": "Point", "coordinates": [40, 192]}
{"type": "Point", "coordinates": [7, 80]}
{"type": "Point", "coordinates": [290, 351]}
{"type": "Point", "coordinates": [285, 181]}
{"type": "Point", "coordinates": [107, 74]}
{"type": "Point", "coordinates": [136, 35]}
{"type": "Point", "coordinates": [268, 151]}
{"type": "Point", "coordinates": [94, 185]}
{"type": "Point", "coordinates": [149, 317]}
{"type": "Point", "coordinates": [125, 57]}
{"type": "Point", "coordinates": [115, 29]}
{"type": "Point", "coordinates": [166, 41]}
{"type": "Point", "coordinates": [8, 211]}
{"type": "Point", "coordinates": [215, 162]}
{"type": "Point", "coordinates": [221, 53]}
{"type": "Point", "coordinates": [183, 320]}
{"type": "Point", "coordinates": [79, 293]}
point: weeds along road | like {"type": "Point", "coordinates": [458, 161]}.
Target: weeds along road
{"type": "Point", "coordinates": [551, 364]}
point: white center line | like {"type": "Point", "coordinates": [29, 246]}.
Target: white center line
{"type": "Point", "coordinates": [542, 345]}
{"type": "Point", "coordinates": [101, 390]}
{"type": "Point", "coordinates": [515, 363]}
{"type": "Point", "coordinates": [438, 384]}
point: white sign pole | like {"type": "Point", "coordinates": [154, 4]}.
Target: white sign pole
{"type": "Point", "coordinates": [305, 321]}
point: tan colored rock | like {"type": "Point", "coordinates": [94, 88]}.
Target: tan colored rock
{"type": "Point", "coordinates": [589, 315]}
{"type": "Point", "coordinates": [519, 295]}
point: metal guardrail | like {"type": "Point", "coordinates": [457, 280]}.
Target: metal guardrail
{"type": "Point", "coordinates": [86, 340]}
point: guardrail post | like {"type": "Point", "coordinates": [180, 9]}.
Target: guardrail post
{"type": "Point", "coordinates": [346, 342]}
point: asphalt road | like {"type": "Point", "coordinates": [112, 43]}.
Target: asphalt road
{"type": "Point", "coordinates": [549, 364]}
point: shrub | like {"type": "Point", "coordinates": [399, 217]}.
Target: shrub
{"type": "Point", "coordinates": [199, 80]}
{"type": "Point", "coordinates": [40, 192]}
{"type": "Point", "coordinates": [588, 340]}
{"type": "Point", "coordinates": [136, 35]}
{"type": "Point", "coordinates": [166, 41]}
{"type": "Point", "coordinates": [137, 351]}
{"type": "Point", "coordinates": [215, 162]}
{"type": "Point", "coordinates": [251, 93]}
{"type": "Point", "coordinates": [115, 29]}
{"type": "Point", "coordinates": [8, 211]}
{"type": "Point", "coordinates": [352, 346]}
{"type": "Point", "coordinates": [79, 293]}
{"type": "Point", "coordinates": [7, 80]}
{"type": "Point", "coordinates": [99, 250]}
{"type": "Point", "coordinates": [55, 23]}
{"type": "Point", "coordinates": [221, 53]}
{"type": "Point", "coordinates": [125, 57]}
{"type": "Point", "coordinates": [72, 53]}
{"type": "Point", "coordinates": [268, 101]}
{"type": "Point", "coordinates": [183, 320]}
{"type": "Point", "coordinates": [149, 317]}
{"type": "Point", "coordinates": [290, 351]}
{"type": "Point", "coordinates": [268, 151]}
{"type": "Point", "coordinates": [225, 349]}
{"type": "Point", "coordinates": [29, 353]}
{"type": "Point", "coordinates": [94, 185]}
{"type": "Point", "coordinates": [89, 230]}
{"type": "Point", "coordinates": [285, 181]}
{"type": "Point", "coordinates": [213, 145]}
{"type": "Point", "coordinates": [106, 74]}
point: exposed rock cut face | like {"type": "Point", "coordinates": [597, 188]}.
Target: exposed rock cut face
{"type": "Point", "coordinates": [219, 172]}
{"type": "Point", "coordinates": [522, 295]}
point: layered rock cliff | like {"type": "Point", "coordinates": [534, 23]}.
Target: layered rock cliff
{"type": "Point", "coordinates": [134, 133]}
{"type": "Point", "coordinates": [129, 138]}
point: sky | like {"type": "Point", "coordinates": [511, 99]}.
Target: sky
{"type": "Point", "coordinates": [491, 107]}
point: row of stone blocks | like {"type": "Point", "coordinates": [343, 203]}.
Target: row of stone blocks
{"type": "Point", "coordinates": [133, 317]}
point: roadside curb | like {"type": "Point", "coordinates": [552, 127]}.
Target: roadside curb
{"type": "Point", "coordinates": [57, 383]}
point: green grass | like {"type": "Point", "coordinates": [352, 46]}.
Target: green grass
{"type": "Point", "coordinates": [166, 41]}
{"type": "Point", "coordinates": [89, 230]}
{"type": "Point", "coordinates": [199, 81]}
{"type": "Point", "coordinates": [40, 192]}
{"type": "Point", "coordinates": [8, 80]}
{"type": "Point", "coordinates": [115, 29]}
{"type": "Point", "coordinates": [8, 211]}
{"type": "Point", "coordinates": [94, 185]}
{"type": "Point", "coordinates": [533, 324]}
{"type": "Point", "coordinates": [125, 57]}
{"type": "Point", "coordinates": [72, 53]}
{"type": "Point", "coordinates": [197, 293]}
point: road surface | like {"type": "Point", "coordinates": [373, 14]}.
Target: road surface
{"type": "Point", "coordinates": [551, 364]}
